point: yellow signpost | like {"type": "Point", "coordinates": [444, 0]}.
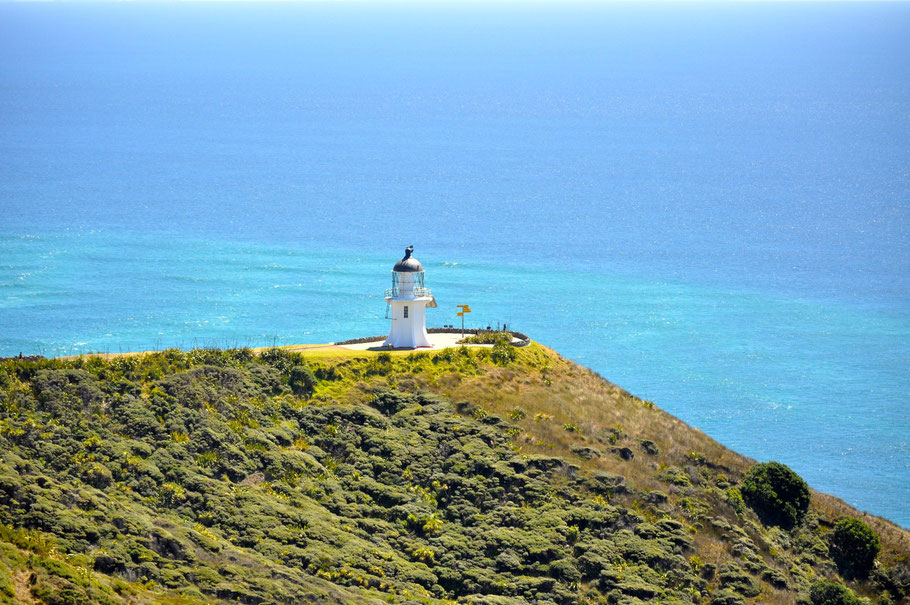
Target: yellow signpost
{"type": "Point", "coordinates": [464, 309]}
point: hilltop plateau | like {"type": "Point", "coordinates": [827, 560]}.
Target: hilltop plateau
{"type": "Point", "coordinates": [482, 475]}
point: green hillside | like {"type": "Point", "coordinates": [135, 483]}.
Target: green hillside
{"type": "Point", "coordinates": [485, 475]}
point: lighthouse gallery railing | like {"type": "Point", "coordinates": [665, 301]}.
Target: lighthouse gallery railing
{"type": "Point", "coordinates": [416, 291]}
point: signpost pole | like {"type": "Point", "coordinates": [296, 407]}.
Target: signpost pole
{"type": "Point", "coordinates": [464, 309]}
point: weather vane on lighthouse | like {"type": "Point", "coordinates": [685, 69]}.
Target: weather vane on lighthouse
{"type": "Point", "coordinates": [408, 300]}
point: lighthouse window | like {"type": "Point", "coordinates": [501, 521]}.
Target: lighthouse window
{"type": "Point", "coordinates": [405, 311]}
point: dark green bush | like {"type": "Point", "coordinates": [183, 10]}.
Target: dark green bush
{"type": "Point", "coordinates": [280, 359]}
{"type": "Point", "coordinates": [564, 570]}
{"type": "Point", "coordinates": [854, 546]}
{"type": "Point", "coordinates": [302, 381]}
{"type": "Point", "coordinates": [829, 593]}
{"type": "Point", "coordinates": [389, 402]}
{"type": "Point", "coordinates": [777, 494]}
{"type": "Point", "coordinates": [61, 392]}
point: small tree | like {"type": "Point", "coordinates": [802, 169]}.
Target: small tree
{"type": "Point", "coordinates": [829, 593]}
{"type": "Point", "coordinates": [853, 546]}
{"type": "Point", "coordinates": [777, 494]}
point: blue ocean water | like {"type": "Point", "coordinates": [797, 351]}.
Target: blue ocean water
{"type": "Point", "coordinates": [709, 204]}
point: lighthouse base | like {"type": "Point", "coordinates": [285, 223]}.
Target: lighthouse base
{"type": "Point", "coordinates": [409, 329]}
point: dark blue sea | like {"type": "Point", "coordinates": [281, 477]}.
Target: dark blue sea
{"type": "Point", "coordinates": [708, 203]}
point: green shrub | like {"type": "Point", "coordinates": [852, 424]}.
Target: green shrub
{"type": "Point", "coordinates": [281, 360]}
{"type": "Point", "coordinates": [854, 546]}
{"type": "Point", "coordinates": [28, 539]}
{"type": "Point", "coordinates": [734, 498]}
{"type": "Point", "coordinates": [503, 353]}
{"type": "Point", "coordinates": [389, 402]}
{"type": "Point", "coordinates": [829, 593]}
{"type": "Point", "coordinates": [777, 494]}
{"type": "Point", "coordinates": [302, 381]}
{"type": "Point", "coordinates": [7, 589]}
{"type": "Point", "coordinates": [565, 570]}
{"type": "Point", "coordinates": [487, 337]}
{"type": "Point", "coordinates": [98, 475]}
{"type": "Point", "coordinates": [517, 413]}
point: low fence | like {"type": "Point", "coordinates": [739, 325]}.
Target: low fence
{"type": "Point", "coordinates": [357, 341]}
{"type": "Point", "coordinates": [523, 340]}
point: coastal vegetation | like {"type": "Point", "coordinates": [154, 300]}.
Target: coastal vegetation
{"type": "Point", "coordinates": [487, 337]}
{"type": "Point", "coordinates": [777, 494]}
{"type": "Point", "coordinates": [484, 475]}
{"type": "Point", "coordinates": [854, 547]}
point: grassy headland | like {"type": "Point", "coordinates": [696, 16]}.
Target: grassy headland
{"type": "Point", "coordinates": [485, 475]}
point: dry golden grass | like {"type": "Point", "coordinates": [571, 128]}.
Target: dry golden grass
{"type": "Point", "coordinates": [570, 394]}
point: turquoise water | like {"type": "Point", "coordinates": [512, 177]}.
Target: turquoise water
{"type": "Point", "coordinates": [707, 204]}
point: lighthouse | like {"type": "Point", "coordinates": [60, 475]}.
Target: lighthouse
{"type": "Point", "coordinates": [408, 300]}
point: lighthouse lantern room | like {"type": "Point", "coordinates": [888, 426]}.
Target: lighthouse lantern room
{"type": "Point", "coordinates": [408, 300]}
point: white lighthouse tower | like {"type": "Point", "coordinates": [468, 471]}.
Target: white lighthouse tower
{"type": "Point", "coordinates": [408, 300]}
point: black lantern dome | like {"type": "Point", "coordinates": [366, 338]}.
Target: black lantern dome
{"type": "Point", "coordinates": [408, 264]}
